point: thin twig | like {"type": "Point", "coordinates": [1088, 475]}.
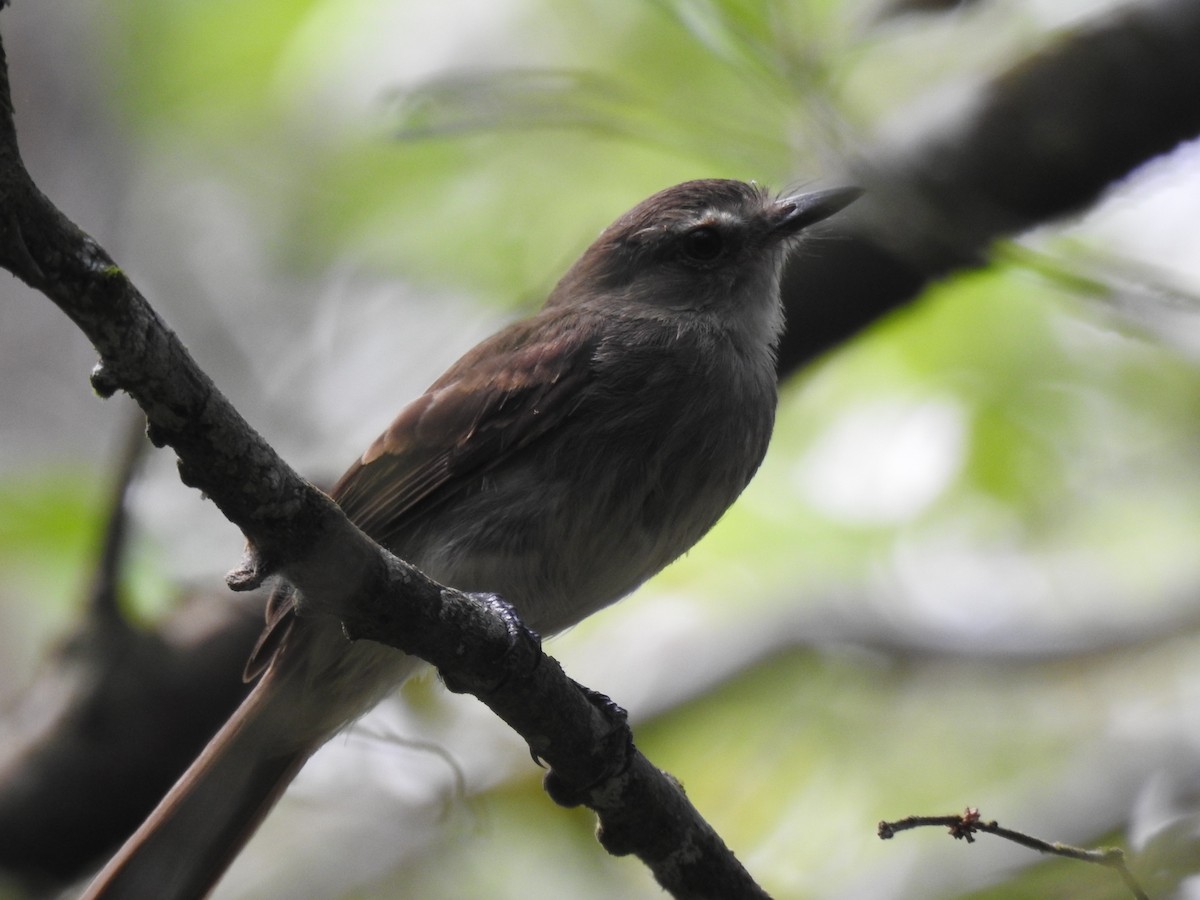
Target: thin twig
{"type": "Point", "coordinates": [963, 827]}
{"type": "Point", "coordinates": [105, 590]}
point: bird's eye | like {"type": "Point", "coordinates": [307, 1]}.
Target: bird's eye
{"type": "Point", "coordinates": [703, 244]}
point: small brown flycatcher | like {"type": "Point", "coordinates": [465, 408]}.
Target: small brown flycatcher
{"type": "Point", "coordinates": [559, 464]}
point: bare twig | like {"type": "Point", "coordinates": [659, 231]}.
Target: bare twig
{"type": "Point", "coordinates": [105, 591]}
{"type": "Point", "coordinates": [964, 827]}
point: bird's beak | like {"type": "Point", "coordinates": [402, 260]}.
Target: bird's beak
{"type": "Point", "coordinates": [797, 212]}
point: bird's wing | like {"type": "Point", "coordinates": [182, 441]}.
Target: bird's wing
{"type": "Point", "coordinates": [506, 393]}
{"type": "Point", "coordinates": [502, 396]}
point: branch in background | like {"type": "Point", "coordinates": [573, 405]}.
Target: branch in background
{"type": "Point", "coordinates": [104, 596]}
{"type": "Point", "coordinates": [967, 825]}
{"type": "Point", "coordinates": [295, 530]}
{"type": "Point", "coordinates": [115, 714]}
{"type": "Point", "coordinates": [1044, 139]}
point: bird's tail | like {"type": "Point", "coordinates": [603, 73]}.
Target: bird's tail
{"type": "Point", "coordinates": [315, 682]}
{"type": "Point", "coordinates": [183, 848]}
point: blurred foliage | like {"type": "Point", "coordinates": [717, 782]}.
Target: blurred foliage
{"type": "Point", "coordinates": [561, 127]}
{"type": "Point", "coordinates": [971, 550]}
{"type": "Point", "coordinates": [51, 526]}
{"type": "Point", "coordinates": [48, 527]}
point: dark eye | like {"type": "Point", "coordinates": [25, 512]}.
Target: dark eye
{"type": "Point", "coordinates": [703, 244]}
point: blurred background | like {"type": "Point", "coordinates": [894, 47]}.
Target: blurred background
{"type": "Point", "coordinates": [966, 575]}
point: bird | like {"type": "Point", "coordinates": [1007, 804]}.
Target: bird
{"type": "Point", "coordinates": [559, 464]}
